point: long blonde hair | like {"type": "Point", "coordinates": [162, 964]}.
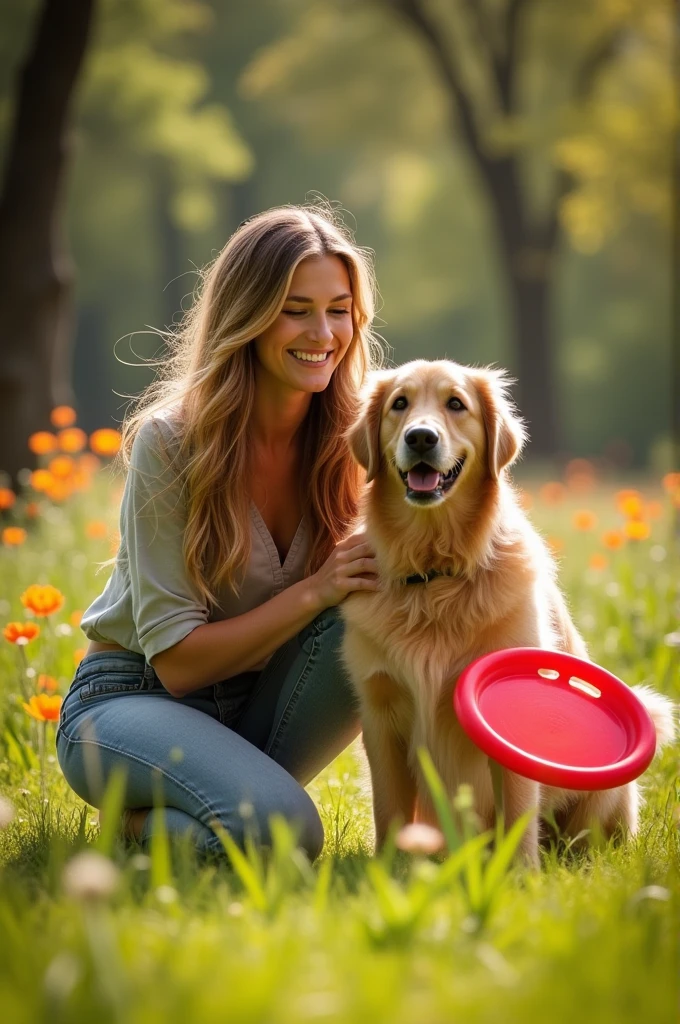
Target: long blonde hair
{"type": "Point", "coordinates": [209, 380]}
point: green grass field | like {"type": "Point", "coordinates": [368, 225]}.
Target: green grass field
{"type": "Point", "coordinates": [403, 938]}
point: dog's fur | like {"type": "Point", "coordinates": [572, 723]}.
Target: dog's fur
{"type": "Point", "coordinates": [405, 645]}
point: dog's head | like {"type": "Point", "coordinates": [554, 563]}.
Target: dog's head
{"type": "Point", "coordinates": [432, 424]}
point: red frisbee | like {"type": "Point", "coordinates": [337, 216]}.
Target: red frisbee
{"type": "Point", "coordinates": [555, 718]}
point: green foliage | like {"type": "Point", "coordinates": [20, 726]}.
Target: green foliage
{"type": "Point", "coordinates": [192, 116]}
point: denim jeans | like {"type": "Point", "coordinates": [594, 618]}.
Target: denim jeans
{"type": "Point", "coordinates": [237, 751]}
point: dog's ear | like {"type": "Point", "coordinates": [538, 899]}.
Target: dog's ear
{"type": "Point", "coordinates": [364, 436]}
{"type": "Point", "coordinates": [505, 432]}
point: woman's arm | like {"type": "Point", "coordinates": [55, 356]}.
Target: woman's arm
{"type": "Point", "coordinates": [218, 650]}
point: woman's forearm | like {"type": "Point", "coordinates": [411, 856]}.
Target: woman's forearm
{"type": "Point", "coordinates": [218, 650]}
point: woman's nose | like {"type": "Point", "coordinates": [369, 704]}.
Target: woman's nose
{"type": "Point", "coordinates": [320, 330]}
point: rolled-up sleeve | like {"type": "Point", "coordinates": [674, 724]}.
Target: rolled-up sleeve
{"type": "Point", "coordinates": [166, 606]}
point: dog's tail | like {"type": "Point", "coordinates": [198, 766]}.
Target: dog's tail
{"type": "Point", "coordinates": [662, 711]}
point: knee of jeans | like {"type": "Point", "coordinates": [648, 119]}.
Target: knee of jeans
{"type": "Point", "coordinates": [295, 807]}
{"type": "Point", "coordinates": [311, 836]}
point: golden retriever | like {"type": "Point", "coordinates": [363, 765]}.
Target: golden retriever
{"type": "Point", "coordinates": [436, 439]}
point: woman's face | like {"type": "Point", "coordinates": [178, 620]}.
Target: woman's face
{"type": "Point", "coordinates": [316, 321]}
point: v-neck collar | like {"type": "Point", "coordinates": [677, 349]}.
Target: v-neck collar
{"type": "Point", "coordinates": [279, 568]}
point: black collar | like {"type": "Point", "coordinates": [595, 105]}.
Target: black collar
{"type": "Point", "coordinates": [418, 577]}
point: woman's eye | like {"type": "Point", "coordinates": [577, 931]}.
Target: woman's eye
{"type": "Point", "coordinates": [455, 404]}
{"type": "Point", "coordinates": [399, 403]}
{"type": "Point", "coordinates": [301, 312]}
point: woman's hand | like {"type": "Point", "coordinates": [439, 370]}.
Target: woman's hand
{"type": "Point", "coordinates": [350, 566]}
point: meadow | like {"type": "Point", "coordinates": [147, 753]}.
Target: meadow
{"type": "Point", "coordinates": [94, 930]}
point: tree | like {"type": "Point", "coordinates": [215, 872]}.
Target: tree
{"type": "Point", "coordinates": [152, 153]}
{"type": "Point", "coordinates": [35, 274]}
{"type": "Point", "coordinates": [525, 89]}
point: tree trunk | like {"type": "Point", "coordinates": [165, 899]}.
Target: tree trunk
{"type": "Point", "coordinates": [527, 250]}
{"type": "Point", "coordinates": [537, 394]}
{"type": "Point", "coordinates": [35, 272]}
{"type": "Point", "coordinates": [528, 257]}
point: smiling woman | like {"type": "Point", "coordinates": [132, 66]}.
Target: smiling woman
{"type": "Point", "coordinates": [213, 663]}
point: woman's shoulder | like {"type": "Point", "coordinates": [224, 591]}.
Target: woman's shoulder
{"type": "Point", "coordinates": [165, 425]}
{"type": "Point", "coordinates": [160, 434]}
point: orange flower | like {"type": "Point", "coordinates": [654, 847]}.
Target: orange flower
{"type": "Point", "coordinates": [627, 501]}
{"type": "Point", "coordinates": [41, 479]}
{"type": "Point", "coordinates": [88, 462]}
{"type": "Point", "coordinates": [7, 497]}
{"type": "Point", "coordinates": [44, 708]}
{"type": "Point", "coordinates": [556, 544]}
{"type": "Point", "coordinates": [59, 490]}
{"type": "Point", "coordinates": [671, 482]}
{"type": "Point", "coordinates": [613, 539]}
{"type": "Point", "coordinates": [13, 535]}
{"type": "Point", "coordinates": [581, 483]}
{"type": "Point", "coordinates": [96, 529]}
{"type": "Point", "coordinates": [634, 529]}
{"type": "Point", "coordinates": [63, 416]}
{"type": "Point", "coordinates": [631, 506]}
{"type": "Point", "coordinates": [75, 617]}
{"type": "Point", "coordinates": [42, 599]}
{"type": "Point", "coordinates": [21, 633]}
{"type": "Point", "coordinates": [61, 467]}
{"type": "Point", "coordinates": [42, 442]}
{"type": "Point", "coordinates": [32, 509]}
{"type": "Point", "coordinates": [584, 520]}
{"type": "Point", "coordinates": [598, 561]}
{"type": "Point", "coordinates": [73, 439]}
{"type": "Point", "coordinates": [48, 683]}
{"type": "Point", "coordinates": [78, 656]}
{"type": "Point", "coordinates": [553, 492]}
{"type": "Point", "coordinates": [105, 441]}
{"type": "Point", "coordinates": [81, 481]}
{"type": "Point", "coordinates": [653, 510]}
{"type": "Point", "coordinates": [580, 476]}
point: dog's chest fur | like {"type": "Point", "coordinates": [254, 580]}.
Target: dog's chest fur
{"type": "Point", "coordinates": [423, 635]}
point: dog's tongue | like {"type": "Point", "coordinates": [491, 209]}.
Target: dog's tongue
{"type": "Point", "coordinates": [423, 479]}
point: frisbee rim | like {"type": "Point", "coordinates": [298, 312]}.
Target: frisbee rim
{"type": "Point", "coordinates": [488, 668]}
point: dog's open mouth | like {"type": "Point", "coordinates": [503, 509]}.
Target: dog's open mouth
{"type": "Point", "coordinates": [422, 481]}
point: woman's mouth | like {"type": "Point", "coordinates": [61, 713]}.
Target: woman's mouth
{"type": "Point", "coordinates": [309, 358]}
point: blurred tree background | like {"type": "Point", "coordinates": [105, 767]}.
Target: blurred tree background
{"type": "Point", "coordinates": [509, 161]}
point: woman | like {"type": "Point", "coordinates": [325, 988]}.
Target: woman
{"type": "Point", "coordinates": [213, 674]}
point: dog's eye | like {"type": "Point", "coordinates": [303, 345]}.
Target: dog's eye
{"type": "Point", "coordinates": [455, 404]}
{"type": "Point", "coordinates": [400, 403]}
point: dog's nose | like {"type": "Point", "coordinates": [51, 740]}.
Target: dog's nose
{"type": "Point", "coordinates": [421, 439]}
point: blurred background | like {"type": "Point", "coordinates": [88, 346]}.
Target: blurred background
{"type": "Point", "coordinates": [509, 161]}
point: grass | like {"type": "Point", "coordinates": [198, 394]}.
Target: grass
{"type": "Point", "coordinates": [402, 938]}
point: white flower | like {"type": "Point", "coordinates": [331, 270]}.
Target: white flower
{"type": "Point", "coordinates": [90, 877]}
{"type": "Point", "coordinates": [420, 838]}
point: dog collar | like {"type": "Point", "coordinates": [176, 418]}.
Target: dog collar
{"type": "Point", "coordinates": [418, 577]}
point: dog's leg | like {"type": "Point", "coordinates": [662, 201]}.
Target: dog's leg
{"type": "Point", "coordinates": [386, 708]}
{"type": "Point", "coordinates": [611, 811]}
{"type": "Point", "coordinates": [519, 796]}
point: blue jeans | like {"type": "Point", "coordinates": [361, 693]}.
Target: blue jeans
{"type": "Point", "coordinates": [237, 751]}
